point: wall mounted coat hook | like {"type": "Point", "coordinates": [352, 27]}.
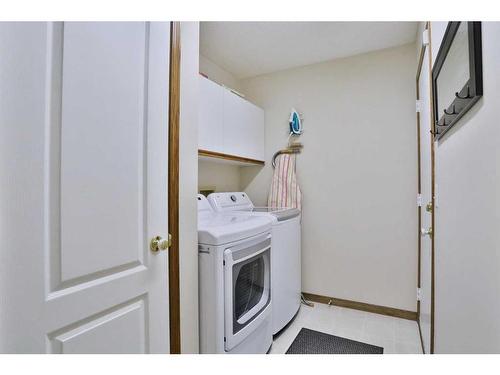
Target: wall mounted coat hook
{"type": "Point", "coordinates": [442, 124]}
{"type": "Point", "coordinates": [453, 112]}
{"type": "Point", "coordinates": [467, 96]}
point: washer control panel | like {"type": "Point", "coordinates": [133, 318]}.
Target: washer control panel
{"type": "Point", "coordinates": [233, 201]}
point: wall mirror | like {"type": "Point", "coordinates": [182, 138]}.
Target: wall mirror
{"type": "Point", "coordinates": [457, 78]}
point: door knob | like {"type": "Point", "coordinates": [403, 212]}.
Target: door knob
{"type": "Point", "coordinates": [425, 232]}
{"type": "Point", "coordinates": [160, 243]}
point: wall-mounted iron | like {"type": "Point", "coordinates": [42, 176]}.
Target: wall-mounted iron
{"type": "Point", "coordinates": [295, 122]}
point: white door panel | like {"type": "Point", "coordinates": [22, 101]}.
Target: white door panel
{"type": "Point", "coordinates": [119, 331]}
{"type": "Point", "coordinates": [210, 129]}
{"type": "Point", "coordinates": [235, 140]}
{"type": "Point", "coordinates": [243, 127]}
{"type": "Point", "coordinates": [105, 147]}
{"type": "Point", "coordinates": [256, 123]}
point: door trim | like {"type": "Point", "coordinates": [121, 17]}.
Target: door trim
{"type": "Point", "coordinates": [419, 187]}
{"type": "Point", "coordinates": [419, 69]}
{"type": "Point", "coordinates": [433, 189]}
{"type": "Point", "coordinates": [173, 188]}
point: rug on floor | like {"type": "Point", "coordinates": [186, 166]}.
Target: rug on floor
{"type": "Point", "coordinates": [314, 342]}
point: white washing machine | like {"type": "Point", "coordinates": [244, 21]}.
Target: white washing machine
{"type": "Point", "coordinates": [285, 254]}
{"type": "Point", "coordinates": [234, 253]}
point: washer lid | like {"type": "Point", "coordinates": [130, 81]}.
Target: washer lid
{"type": "Point", "coordinates": [223, 228]}
{"type": "Point", "coordinates": [280, 213]}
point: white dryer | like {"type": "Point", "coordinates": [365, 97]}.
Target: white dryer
{"type": "Point", "coordinates": [234, 253]}
{"type": "Point", "coordinates": [285, 254]}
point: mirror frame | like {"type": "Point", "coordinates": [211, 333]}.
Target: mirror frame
{"type": "Point", "coordinates": [467, 95]}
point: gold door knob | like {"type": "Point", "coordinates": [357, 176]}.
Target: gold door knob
{"type": "Point", "coordinates": [160, 243]}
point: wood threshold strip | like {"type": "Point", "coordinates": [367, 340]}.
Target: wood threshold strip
{"type": "Point", "coordinates": [173, 188]}
{"type": "Point", "coordinates": [220, 155]}
{"type": "Point", "coordinates": [362, 306]}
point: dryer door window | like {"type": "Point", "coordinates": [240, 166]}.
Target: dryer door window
{"type": "Point", "coordinates": [250, 289]}
{"type": "Point", "coordinates": [247, 288]}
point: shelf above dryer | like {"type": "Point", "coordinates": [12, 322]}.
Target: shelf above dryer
{"type": "Point", "coordinates": [228, 159]}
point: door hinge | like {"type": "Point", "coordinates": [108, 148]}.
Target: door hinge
{"type": "Point", "coordinates": [419, 294]}
{"type": "Point", "coordinates": [425, 37]}
{"type": "Point", "coordinates": [428, 207]}
{"type": "Point", "coordinates": [419, 200]}
{"type": "Point", "coordinates": [426, 232]}
{"type": "Point", "coordinates": [418, 106]}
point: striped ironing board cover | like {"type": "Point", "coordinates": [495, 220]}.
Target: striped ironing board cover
{"type": "Point", "coordinates": [285, 192]}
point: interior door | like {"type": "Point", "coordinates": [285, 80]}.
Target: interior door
{"type": "Point", "coordinates": [426, 191]}
{"type": "Point", "coordinates": [93, 285]}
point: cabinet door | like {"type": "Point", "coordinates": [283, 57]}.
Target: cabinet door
{"type": "Point", "coordinates": [210, 130]}
{"type": "Point", "coordinates": [243, 127]}
{"type": "Point", "coordinates": [256, 117]}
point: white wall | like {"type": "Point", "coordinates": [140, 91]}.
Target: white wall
{"type": "Point", "coordinates": [188, 183]}
{"type": "Point", "coordinates": [468, 217]}
{"type": "Point", "coordinates": [218, 176]}
{"type": "Point", "coordinates": [218, 74]}
{"type": "Point", "coordinates": [358, 171]}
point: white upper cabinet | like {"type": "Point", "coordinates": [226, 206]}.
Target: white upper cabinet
{"type": "Point", "coordinates": [229, 124]}
{"type": "Point", "coordinates": [210, 131]}
{"type": "Point", "coordinates": [243, 127]}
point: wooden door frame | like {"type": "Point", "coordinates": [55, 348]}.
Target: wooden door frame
{"type": "Point", "coordinates": [423, 49]}
{"type": "Point", "coordinates": [433, 188]}
{"type": "Point", "coordinates": [419, 188]}
{"type": "Point", "coordinates": [173, 187]}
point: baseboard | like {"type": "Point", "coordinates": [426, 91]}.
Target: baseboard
{"type": "Point", "coordinates": [383, 310]}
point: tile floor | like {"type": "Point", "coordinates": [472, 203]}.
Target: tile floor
{"type": "Point", "coordinates": [396, 336]}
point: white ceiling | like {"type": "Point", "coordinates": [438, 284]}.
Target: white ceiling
{"type": "Point", "coordinates": [248, 49]}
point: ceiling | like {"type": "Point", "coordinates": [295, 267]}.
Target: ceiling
{"type": "Point", "coordinates": [248, 49]}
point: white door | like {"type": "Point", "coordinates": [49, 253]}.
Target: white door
{"type": "Point", "coordinates": [90, 101]}
{"type": "Point", "coordinates": [426, 140]}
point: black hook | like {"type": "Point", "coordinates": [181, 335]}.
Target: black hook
{"type": "Point", "coordinates": [463, 97]}
{"type": "Point", "coordinates": [452, 112]}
